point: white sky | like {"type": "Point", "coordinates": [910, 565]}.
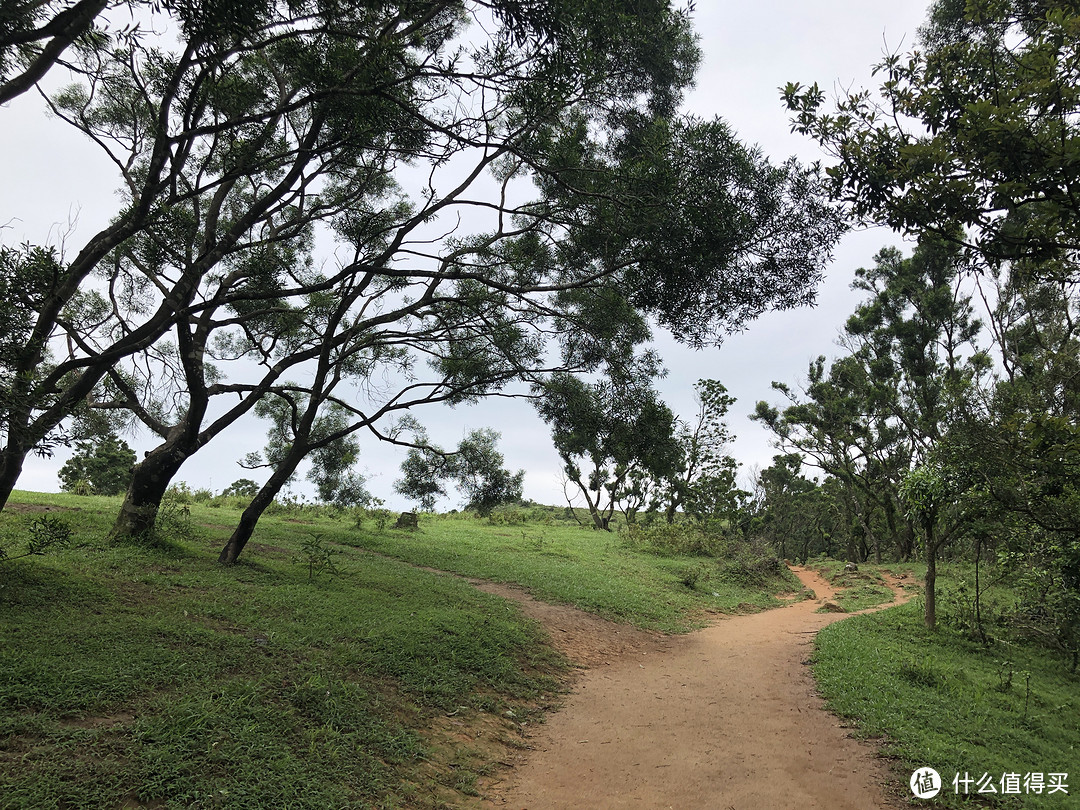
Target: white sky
{"type": "Point", "coordinates": [49, 177]}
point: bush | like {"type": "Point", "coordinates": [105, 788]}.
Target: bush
{"type": "Point", "coordinates": [179, 492]}
{"type": "Point", "coordinates": [678, 539]}
{"type": "Point", "coordinates": [173, 522]}
{"type": "Point", "coordinates": [360, 515]}
{"type": "Point", "coordinates": [751, 568]}
{"type": "Point", "coordinates": [507, 516]}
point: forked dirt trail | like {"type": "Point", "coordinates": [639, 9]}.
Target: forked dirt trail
{"type": "Point", "coordinates": [726, 718]}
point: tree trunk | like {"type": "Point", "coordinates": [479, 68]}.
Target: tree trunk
{"type": "Point", "coordinates": [672, 507]}
{"type": "Point", "coordinates": [10, 470]}
{"type": "Point", "coordinates": [263, 498]}
{"type": "Point", "coordinates": [149, 481]}
{"type": "Point", "coordinates": [930, 617]}
{"type": "Point", "coordinates": [594, 508]}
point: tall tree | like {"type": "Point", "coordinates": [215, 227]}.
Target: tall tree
{"type": "Point", "coordinates": [1016, 450]}
{"type": "Point", "coordinates": [791, 513]}
{"type": "Point", "coordinates": [476, 467]}
{"type": "Point", "coordinates": [881, 410]}
{"type": "Point", "coordinates": [703, 481]}
{"type": "Point", "coordinates": [103, 462]}
{"type": "Point", "coordinates": [412, 134]}
{"type": "Point", "coordinates": [609, 431]}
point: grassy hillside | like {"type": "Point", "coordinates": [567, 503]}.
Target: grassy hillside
{"type": "Point", "coordinates": [945, 699]}
{"type": "Point", "coordinates": [315, 674]}
{"type": "Point", "coordinates": [601, 572]}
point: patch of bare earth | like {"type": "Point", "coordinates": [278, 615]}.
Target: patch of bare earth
{"type": "Point", "coordinates": [726, 718]}
{"type": "Point", "coordinates": [34, 508]}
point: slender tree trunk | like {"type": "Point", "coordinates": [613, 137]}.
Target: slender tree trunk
{"type": "Point", "coordinates": [594, 511]}
{"type": "Point", "coordinates": [594, 508]}
{"type": "Point", "coordinates": [978, 590]}
{"type": "Point", "coordinates": [672, 508]}
{"type": "Point", "coordinates": [263, 498]}
{"type": "Point", "coordinates": [930, 616]}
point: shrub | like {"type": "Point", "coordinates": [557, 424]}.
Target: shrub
{"type": "Point", "coordinates": [174, 521]}
{"type": "Point", "coordinates": [179, 492]}
{"type": "Point", "coordinates": [507, 516]}
{"type": "Point", "coordinates": [678, 539]}
{"type": "Point", "coordinates": [750, 567]}
{"type": "Point", "coordinates": [42, 533]}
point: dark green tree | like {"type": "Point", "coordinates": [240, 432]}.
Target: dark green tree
{"type": "Point", "coordinates": [973, 137]}
{"type": "Point", "coordinates": [104, 462]}
{"type": "Point", "coordinates": [610, 432]}
{"type": "Point", "coordinates": [791, 513]}
{"type": "Point", "coordinates": [412, 133]}
{"type": "Point", "coordinates": [881, 410]}
{"type": "Point", "coordinates": [424, 473]}
{"type": "Point", "coordinates": [477, 466]}
{"type": "Point", "coordinates": [1016, 450]}
{"type": "Point", "coordinates": [703, 481]}
{"type": "Point", "coordinates": [243, 487]}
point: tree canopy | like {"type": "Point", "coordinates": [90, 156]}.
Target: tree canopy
{"type": "Point", "coordinates": [402, 203]}
{"type": "Point", "coordinates": [974, 136]}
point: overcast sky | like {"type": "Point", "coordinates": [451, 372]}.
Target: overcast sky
{"type": "Point", "coordinates": [50, 177]}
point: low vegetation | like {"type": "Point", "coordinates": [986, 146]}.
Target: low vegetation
{"type": "Point", "coordinates": [861, 587]}
{"type": "Point", "coordinates": [964, 699]}
{"type": "Point", "coordinates": [314, 674]}
{"type": "Point", "coordinates": [668, 587]}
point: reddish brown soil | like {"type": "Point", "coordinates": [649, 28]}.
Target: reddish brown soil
{"type": "Point", "coordinates": [726, 718]}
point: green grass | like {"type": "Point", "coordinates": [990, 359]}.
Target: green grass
{"type": "Point", "coordinates": [153, 677]}
{"type": "Point", "coordinates": [942, 700]}
{"type": "Point", "coordinates": [595, 571]}
{"type": "Point", "coordinates": [156, 677]}
{"type": "Point", "coordinates": [858, 590]}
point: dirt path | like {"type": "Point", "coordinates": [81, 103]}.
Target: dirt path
{"type": "Point", "coordinates": [726, 718]}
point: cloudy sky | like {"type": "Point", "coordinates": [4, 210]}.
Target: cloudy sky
{"type": "Point", "coordinates": [54, 187]}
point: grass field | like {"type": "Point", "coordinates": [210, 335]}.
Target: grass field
{"type": "Point", "coordinates": [865, 587]}
{"type": "Point", "coordinates": [595, 571]}
{"type": "Point", "coordinates": [329, 670]}
{"type": "Point", "coordinates": [314, 674]}
{"type": "Point", "coordinates": [968, 709]}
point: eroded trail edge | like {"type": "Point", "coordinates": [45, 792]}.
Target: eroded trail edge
{"type": "Point", "coordinates": [726, 717]}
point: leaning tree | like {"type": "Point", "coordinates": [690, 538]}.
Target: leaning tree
{"type": "Point", "coordinates": [404, 204]}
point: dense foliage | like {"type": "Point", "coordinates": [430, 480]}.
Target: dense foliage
{"type": "Point", "coordinates": [939, 432]}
